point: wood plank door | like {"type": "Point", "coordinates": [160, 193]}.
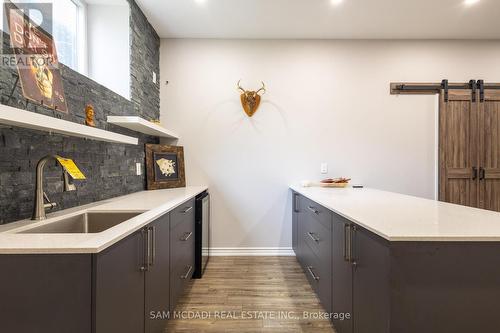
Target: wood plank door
{"type": "Point", "coordinates": [458, 148]}
{"type": "Point", "coordinates": [489, 129]}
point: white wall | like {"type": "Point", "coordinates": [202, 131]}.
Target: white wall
{"type": "Point", "coordinates": [326, 101]}
{"type": "Point", "coordinates": [108, 45]}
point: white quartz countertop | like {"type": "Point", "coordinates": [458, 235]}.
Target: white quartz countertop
{"type": "Point", "coordinates": [151, 204]}
{"type": "Point", "coordinates": [398, 217]}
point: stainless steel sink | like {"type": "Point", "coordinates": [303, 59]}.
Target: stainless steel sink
{"type": "Point", "coordinates": [92, 222]}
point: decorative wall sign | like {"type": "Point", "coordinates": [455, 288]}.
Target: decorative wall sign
{"type": "Point", "coordinates": [250, 100]}
{"type": "Point", "coordinates": [36, 61]}
{"type": "Point", "coordinates": [165, 166]}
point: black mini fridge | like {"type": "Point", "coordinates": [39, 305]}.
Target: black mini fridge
{"type": "Point", "coordinates": [202, 234]}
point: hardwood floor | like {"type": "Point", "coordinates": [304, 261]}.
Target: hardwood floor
{"type": "Point", "coordinates": [250, 294]}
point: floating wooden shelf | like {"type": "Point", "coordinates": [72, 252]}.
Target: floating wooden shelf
{"type": "Point", "coordinates": [141, 125]}
{"type": "Point", "coordinates": [26, 119]}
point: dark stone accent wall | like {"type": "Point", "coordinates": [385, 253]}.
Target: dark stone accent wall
{"type": "Point", "coordinates": [110, 168]}
{"type": "Point", "coordinates": [144, 59]}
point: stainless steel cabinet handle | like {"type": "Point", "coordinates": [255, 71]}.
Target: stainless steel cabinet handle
{"type": "Point", "coordinates": [145, 251]}
{"type": "Point", "coordinates": [352, 254]}
{"type": "Point", "coordinates": [187, 209]}
{"type": "Point", "coordinates": [185, 276]}
{"type": "Point", "coordinates": [347, 240]}
{"type": "Point", "coordinates": [311, 235]}
{"type": "Point", "coordinates": [312, 209]}
{"type": "Point", "coordinates": [295, 203]}
{"type": "Point", "coordinates": [153, 245]}
{"type": "Point", "coordinates": [314, 276]}
{"type": "Point", "coordinates": [148, 261]}
{"type": "Point", "coordinates": [186, 236]}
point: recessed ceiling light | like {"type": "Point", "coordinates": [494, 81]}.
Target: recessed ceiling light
{"type": "Point", "coordinates": [200, 1]}
{"type": "Point", "coordinates": [336, 2]}
{"type": "Point", "coordinates": [471, 2]}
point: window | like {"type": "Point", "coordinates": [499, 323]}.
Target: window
{"type": "Point", "coordinates": [69, 17]}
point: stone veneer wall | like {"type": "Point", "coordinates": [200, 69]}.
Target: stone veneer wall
{"type": "Point", "coordinates": [110, 168]}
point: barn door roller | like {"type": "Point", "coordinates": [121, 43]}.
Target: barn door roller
{"type": "Point", "coordinates": [445, 86]}
{"type": "Point", "coordinates": [473, 88]}
{"type": "Point", "coordinates": [480, 84]}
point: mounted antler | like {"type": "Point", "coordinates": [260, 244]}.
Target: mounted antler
{"type": "Point", "coordinates": [250, 100]}
{"type": "Point", "coordinates": [263, 88]}
{"type": "Point", "coordinates": [240, 87]}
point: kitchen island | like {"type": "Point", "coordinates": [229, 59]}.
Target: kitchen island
{"type": "Point", "coordinates": [397, 263]}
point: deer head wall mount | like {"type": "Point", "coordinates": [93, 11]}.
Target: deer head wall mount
{"type": "Point", "coordinates": [250, 100]}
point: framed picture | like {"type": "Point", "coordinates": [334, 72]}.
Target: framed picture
{"type": "Point", "coordinates": [36, 60]}
{"type": "Point", "coordinates": [164, 167]}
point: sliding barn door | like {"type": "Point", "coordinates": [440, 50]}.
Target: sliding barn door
{"type": "Point", "coordinates": [458, 148]}
{"type": "Point", "coordinates": [489, 129]}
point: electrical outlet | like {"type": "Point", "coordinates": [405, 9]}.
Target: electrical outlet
{"type": "Point", "coordinates": [154, 77]}
{"type": "Point", "coordinates": [324, 167]}
{"type": "Point", "coordinates": [138, 169]}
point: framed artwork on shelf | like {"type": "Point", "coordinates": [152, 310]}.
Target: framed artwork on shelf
{"type": "Point", "coordinates": [164, 167]}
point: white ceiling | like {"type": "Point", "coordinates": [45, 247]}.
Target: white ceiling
{"type": "Point", "coordinates": [320, 19]}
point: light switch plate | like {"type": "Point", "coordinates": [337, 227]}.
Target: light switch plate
{"type": "Point", "coordinates": [138, 169]}
{"type": "Point", "coordinates": [154, 77]}
{"type": "Point", "coordinates": [324, 168]}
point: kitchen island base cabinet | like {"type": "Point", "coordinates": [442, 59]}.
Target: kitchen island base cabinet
{"type": "Point", "coordinates": [314, 246]}
{"type": "Point", "coordinates": [445, 287]}
{"type": "Point", "coordinates": [360, 284]}
{"type": "Point", "coordinates": [342, 276]}
{"type": "Point", "coordinates": [371, 278]}
{"type": "Point", "coordinates": [406, 286]}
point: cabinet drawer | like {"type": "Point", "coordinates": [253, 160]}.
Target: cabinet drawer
{"type": "Point", "coordinates": [184, 211]}
{"type": "Point", "coordinates": [182, 242]}
{"type": "Point", "coordinates": [318, 238]}
{"type": "Point", "coordinates": [316, 211]}
{"type": "Point", "coordinates": [179, 278]}
{"type": "Point", "coordinates": [319, 275]}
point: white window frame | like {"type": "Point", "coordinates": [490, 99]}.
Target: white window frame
{"type": "Point", "coordinates": [81, 37]}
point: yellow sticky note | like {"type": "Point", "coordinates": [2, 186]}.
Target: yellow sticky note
{"type": "Point", "coordinates": [71, 168]}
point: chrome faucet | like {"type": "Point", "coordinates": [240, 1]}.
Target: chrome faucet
{"type": "Point", "coordinates": [40, 195]}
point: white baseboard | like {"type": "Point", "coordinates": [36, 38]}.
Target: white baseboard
{"type": "Point", "coordinates": [251, 251]}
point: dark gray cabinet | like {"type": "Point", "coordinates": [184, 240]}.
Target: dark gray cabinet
{"type": "Point", "coordinates": [129, 287]}
{"type": "Point", "coordinates": [157, 276]}
{"type": "Point", "coordinates": [342, 283]}
{"type": "Point", "coordinates": [398, 286]}
{"type": "Point", "coordinates": [44, 293]}
{"type": "Point", "coordinates": [371, 293]}
{"type": "Point", "coordinates": [347, 266]}
{"type": "Point", "coordinates": [119, 287]}
{"type": "Point", "coordinates": [132, 282]}
{"type": "Point", "coordinates": [182, 249]}
{"type": "Point", "coordinates": [314, 243]}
